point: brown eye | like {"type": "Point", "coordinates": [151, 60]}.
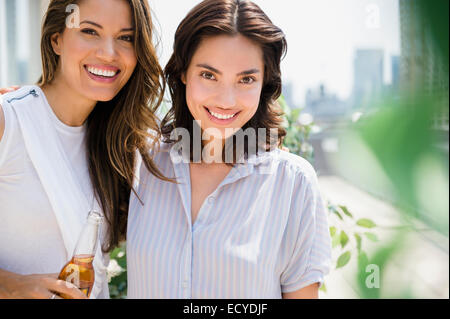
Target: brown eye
{"type": "Point", "coordinates": [207, 75]}
{"type": "Point", "coordinates": [89, 31]}
{"type": "Point", "coordinates": [127, 38]}
{"type": "Point", "coordinates": [248, 80]}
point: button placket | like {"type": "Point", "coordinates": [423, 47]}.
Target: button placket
{"type": "Point", "coordinates": [187, 267]}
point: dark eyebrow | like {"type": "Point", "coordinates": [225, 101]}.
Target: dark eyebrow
{"type": "Point", "coordinates": [206, 66]}
{"type": "Point", "coordinates": [247, 72]}
{"type": "Point", "coordinates": [93, 23]}
{"type": "Point", "coordinates": [100, 27]}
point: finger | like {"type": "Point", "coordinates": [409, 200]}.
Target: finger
{"type": "Point", "coordinates": [53, 295]}
{"type": "Point", "coordinates": [65, 287]}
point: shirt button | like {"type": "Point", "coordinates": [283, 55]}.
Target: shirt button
{"type": "Point", "coordinates": [185, 284]}
{"type": "Point", "coordinates": [211, 200]}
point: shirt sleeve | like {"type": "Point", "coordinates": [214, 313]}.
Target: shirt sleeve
{"type": "Point", "coordinates": [310, 253]}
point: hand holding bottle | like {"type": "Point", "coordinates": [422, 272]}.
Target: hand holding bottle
{"type": "Point", "coordinates": [79, 271]}
{"type": "Point", "coordinates": [43, 286]}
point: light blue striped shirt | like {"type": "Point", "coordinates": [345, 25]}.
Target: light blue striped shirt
{"type": "Point", "coordinates": [262, 232]}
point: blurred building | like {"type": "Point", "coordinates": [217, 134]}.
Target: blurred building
{"type": "Point", "coordinates": [288, 94]}
{"type": "Point", "coordinates": [368, 77]}
{"type": "Point", "coordinates": [20, 33]}
{"type": "Point", "coordinates": [324, 106]}
{"type": "Point", "coordinates": [395, 71]}
{"type": "Point", "coordinates": [421, 67]}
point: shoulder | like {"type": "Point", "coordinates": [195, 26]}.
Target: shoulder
{"type": "Point", "coordinates": [159, 153]}
{"type": "Point", "coordinates": [294, 164]}
{"type": "Point", "coordinates": [6, 100]}
{"type": "Point", "coordinates": [19, 94]}
{"type": "Point", "coordinates": [9, 135]}
{"type": "Point", "coordinates": [5, 117]}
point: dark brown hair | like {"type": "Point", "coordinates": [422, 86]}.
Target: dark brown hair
{"type": "Point", "coordinates": [116, 129]}
{"type": "Point", "coordinates": [226, 17]}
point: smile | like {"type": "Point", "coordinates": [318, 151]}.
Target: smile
{"type": "Point", "coordinates": [102, 74]}
{"type": "Point", "coordinates": [220, 117]}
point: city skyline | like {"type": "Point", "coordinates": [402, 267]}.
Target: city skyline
{"type": "Point", "coordinates": [322, 35]}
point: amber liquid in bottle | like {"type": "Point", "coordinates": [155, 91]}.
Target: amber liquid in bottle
{"type": "Point", "coordinates": [79, 271]}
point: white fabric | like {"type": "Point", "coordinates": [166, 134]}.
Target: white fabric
{"type": "Point", "coordinates": [45, 191]}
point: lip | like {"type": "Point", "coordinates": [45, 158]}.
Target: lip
{"type": "Point", "coordinates": [219, 121]}
{"type": "Point", "coordinates": [99, 78]}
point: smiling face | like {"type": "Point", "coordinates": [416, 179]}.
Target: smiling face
{"type": "Point", "coordinates": [97, 59]}
{"type": "Point", "coordinates": [224, 82]}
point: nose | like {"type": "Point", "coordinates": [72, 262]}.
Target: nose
{"type": "Point", "coordinates": [226, 97]}
{"type": "Point", "coordinates": [107, 50]}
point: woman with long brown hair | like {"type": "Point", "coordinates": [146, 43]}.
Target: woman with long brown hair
{"type": "Point", "coordinates": [245, 219]}
{"type": "Point", "coordinates": [70, 143]}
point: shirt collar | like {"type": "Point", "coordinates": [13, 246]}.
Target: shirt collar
{"type": "Point", "coordinates": [261, 163]}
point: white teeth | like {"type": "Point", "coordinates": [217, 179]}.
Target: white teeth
{"type": "Point", "coordinates": [222, 116]}
{"type": "Point", "coordinates": [105, 73]}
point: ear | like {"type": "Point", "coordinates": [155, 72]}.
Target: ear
{"type": "Point", "coordinates": [56, 43]}
{"type": "Point", "coordinates": [183, 78]}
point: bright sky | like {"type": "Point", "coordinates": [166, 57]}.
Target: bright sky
{"type": "Point", "coordinates": [322, 36]}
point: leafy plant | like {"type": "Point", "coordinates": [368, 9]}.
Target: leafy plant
{"type": "Point", "coordinates": [117, 273]}
{"type": "Point", "coordinates": [347, 234]}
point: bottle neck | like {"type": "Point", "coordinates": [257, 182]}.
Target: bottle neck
{"type": "Point", "coordinates": [88, 240]}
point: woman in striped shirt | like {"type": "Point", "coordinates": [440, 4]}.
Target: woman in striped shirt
{"type": "Point", "coordinates": [244, 218]}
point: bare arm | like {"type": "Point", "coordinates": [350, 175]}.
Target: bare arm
{"type": "Point", "coordinates": [308, 292]}
{"type": "Point", "coordinates": [2, 122]}
{"type": "Point", "coordinates": [2, 116]}
{"type": "Point", "coordinates": [15, 286]}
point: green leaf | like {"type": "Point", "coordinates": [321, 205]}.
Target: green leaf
{"type": "Point", "coordinates": [332, 231]}
{"type": "Point", "coordinates": [343, 259]}
{"type": "Point", "coordinates": [336, 240]}
{"type": "Point", "coordinates": [323, 288]}
{"type": "Point", "coordinates": [343, 239]}
{"type": "Point", "coordinates": [358, 241]}
{"type": "Point", "coordinates": [363, 261]}
{"type": "Point", "coordinates": [365, 222]}
{"type": "Point", "coordinates": [334, 210]}
{"type": "Point", "coordinates": [115, 252]}
{"type": "Point", "coordinates": [371, 236]}
{"type": "Point", "coordinates": [294, 114]}
{"type": "Point", "coordinates": [345, 210]}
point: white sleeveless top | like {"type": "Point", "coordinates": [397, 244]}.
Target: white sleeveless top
{"type": "Point", "coordinates": [28, 227]}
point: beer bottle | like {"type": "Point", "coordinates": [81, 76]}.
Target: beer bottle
{"type": "Point", "coordinates": [79, 270]}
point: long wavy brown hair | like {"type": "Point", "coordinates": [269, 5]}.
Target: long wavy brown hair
{"type": "Point", "coordinates": [227, 17]}
{"type": "Point", "coordinates": [116, 129]}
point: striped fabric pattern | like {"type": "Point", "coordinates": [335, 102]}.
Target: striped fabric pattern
{"type": "Point", "coordinates": [262, 232]}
